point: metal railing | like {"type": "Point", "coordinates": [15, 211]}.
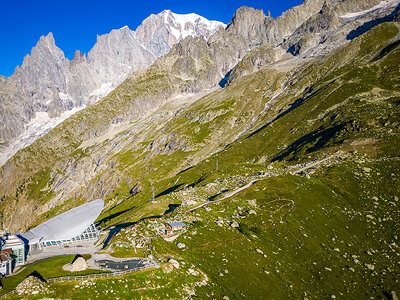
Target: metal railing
{"type": "Point", "coordinates": [8, 294]}
{"type": "Point", "coordinates": [103, 275]}
{"type": "Point", "coordinates": [100, 275]}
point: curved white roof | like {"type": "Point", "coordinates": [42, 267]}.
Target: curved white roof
{"type": "Point", "coordinates": [66, 225]}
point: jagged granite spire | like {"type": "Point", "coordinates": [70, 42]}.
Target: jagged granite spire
{"type": "Point", "coordinates": [50, 83]}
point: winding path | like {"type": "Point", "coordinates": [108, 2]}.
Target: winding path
{"type": "Point", "coordinates": [228, 195]}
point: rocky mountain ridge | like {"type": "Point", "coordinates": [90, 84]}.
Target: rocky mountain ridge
{"type": "Point", "coordinates": [48, 82]}
{"type": "Point", "coordinates": [283, 158]}
{"type": "Point", "coordinates": [193, 66]}
{"type": "Point", "coordinates": [65, 85]}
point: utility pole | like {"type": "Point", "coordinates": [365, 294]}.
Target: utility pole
{"type": "Point", "coordinates": [153, 194]}
{"type": "Point", "coordinates": [216, 165]}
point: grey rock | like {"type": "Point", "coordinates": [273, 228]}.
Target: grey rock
{"type": "Point", "coordinates": [48, 82]}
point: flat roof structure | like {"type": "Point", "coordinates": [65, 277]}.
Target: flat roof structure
{"type": "Point", "coordinates": [66, 225]}
{"type": "Point", "coordinates": [11, 241]}
{"type": "Point", "coordinates": [174, 224]}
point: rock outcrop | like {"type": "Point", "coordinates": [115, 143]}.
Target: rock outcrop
{"type": "Point", "coordinates": [71, 161]}
{"type": "Point", "coordinates": [48, 82]}
{"type": "Point", "coordinates": [32, 286]}
{"type": "Point", "coordinates": [77, 265]}
{"type": "Point", "coordinates": [174, 263]}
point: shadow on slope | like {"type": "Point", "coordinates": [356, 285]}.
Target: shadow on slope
{"type": "Point", "coordinates": [298, 102]}
{"type": "Point", "coordinates": [368, 25]}
{"type": "Point", "coordinates": [315, 141]}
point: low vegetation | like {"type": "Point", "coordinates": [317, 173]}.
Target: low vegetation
{"type": "Point", "coordinates": [297, 172]}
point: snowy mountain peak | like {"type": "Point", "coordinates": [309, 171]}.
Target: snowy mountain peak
{"type": "Point", "coordinates": [183, 25]}
{"type": "Point", "coordinates": [168, 28]}
{"type": "Point", "coordinates": [51, 86]}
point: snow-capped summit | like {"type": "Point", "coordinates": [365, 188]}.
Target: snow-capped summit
{"type": "Point", "coordinates": [183, 25]}
{"type": "Point", "coordinates": [48, 87]}
{"type": "Point", "coordinates": [159, 32]}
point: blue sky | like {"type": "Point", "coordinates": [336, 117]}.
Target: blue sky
{"type": "Point", "coordinates": [75, 24]}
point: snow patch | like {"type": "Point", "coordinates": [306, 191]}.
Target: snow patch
{"type": "Point", "coordinates": [103, 90]}
{"type": "Point", "coordinates": [63, 96]}
{"type": "Point", "coordinates": [184, 24]}
{"type": "Point", "coordinates": [36, 128]}
{"type": "Point", "coordinates": [383, 5]}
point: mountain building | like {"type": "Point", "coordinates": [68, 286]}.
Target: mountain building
{"type": "Point", "coordinates": [5, 262]}
{"type": "Point", "coordinates": [73, 226]}
{"type": "Point", "coordinates": [174, 226]}
{"type": "Point", "coordinates": [16, 245]}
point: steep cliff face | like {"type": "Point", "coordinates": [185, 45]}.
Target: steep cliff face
{"type": "Point", "coordinates": [42, 77]}
{"type": "Point", "coordinates": [14, 108]}
{"type": "Point", "coordinates": [326, 19]}
{"type": "Point", "coordinates": [50, 83]}
{"type": "Point", "coordinates": [79, 158]}
{"type": "Point", "coordinates": [119, 45]}
{"type": "Point", "coordinates": [336, 23]}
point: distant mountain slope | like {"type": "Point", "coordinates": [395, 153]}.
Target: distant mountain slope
{"type": "Point", "coordinates": [284, 163]}
{"type": "Point", "coordinates": [48, 82]}
{"type": "Point", "coordinates": [79, 157]}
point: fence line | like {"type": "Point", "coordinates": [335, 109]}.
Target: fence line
{"type": "Point", "coordinates": [8, 294]}
{"type": "Point", "coordinates": [102, 275]}
{"type": "Point", "coordinates": [99, 275]}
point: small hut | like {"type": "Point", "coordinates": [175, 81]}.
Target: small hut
{"type": "Point", "coordinates": [174, 227]}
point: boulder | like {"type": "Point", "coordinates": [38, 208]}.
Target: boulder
{"type": "Point", "coordinates": [234, 224]}
{"type": "Point", "coordinates": [77, 265]}
{"type": "Point", "coordinates": [167, 268]}
{"type": "Point", "coordinates": [394, 296]}
{"type": "Point", "coordinates": [181, 245]}
{"type": "Point", "coordinates": [369, 266]}
{"type": "Point", "coordinates": [193, 272]}
{"type": "Point", "coordinates": [174, 263]}
{"type": "Point", "coordinates": [189, 202]}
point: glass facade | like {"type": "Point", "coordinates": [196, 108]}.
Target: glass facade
{"type": "Point", "coordinates": [90, 234]}
{"type": "Point", "coordinates": [19, 255]}
{"type": "Point", "coordinates": [17, 247]}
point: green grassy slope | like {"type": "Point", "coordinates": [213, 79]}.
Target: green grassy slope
{"type": "Point", "coordinates": [330, 232]}
{"type": "Point", "coordinates": [334, 234]}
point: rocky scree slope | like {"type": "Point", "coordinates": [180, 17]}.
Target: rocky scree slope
{"type": "Point", "coordinates": [48, 82]}
{"type": "Point", "coordinates": [336, 121]}
{"type": "Point", "coordinates": [56, 168]}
